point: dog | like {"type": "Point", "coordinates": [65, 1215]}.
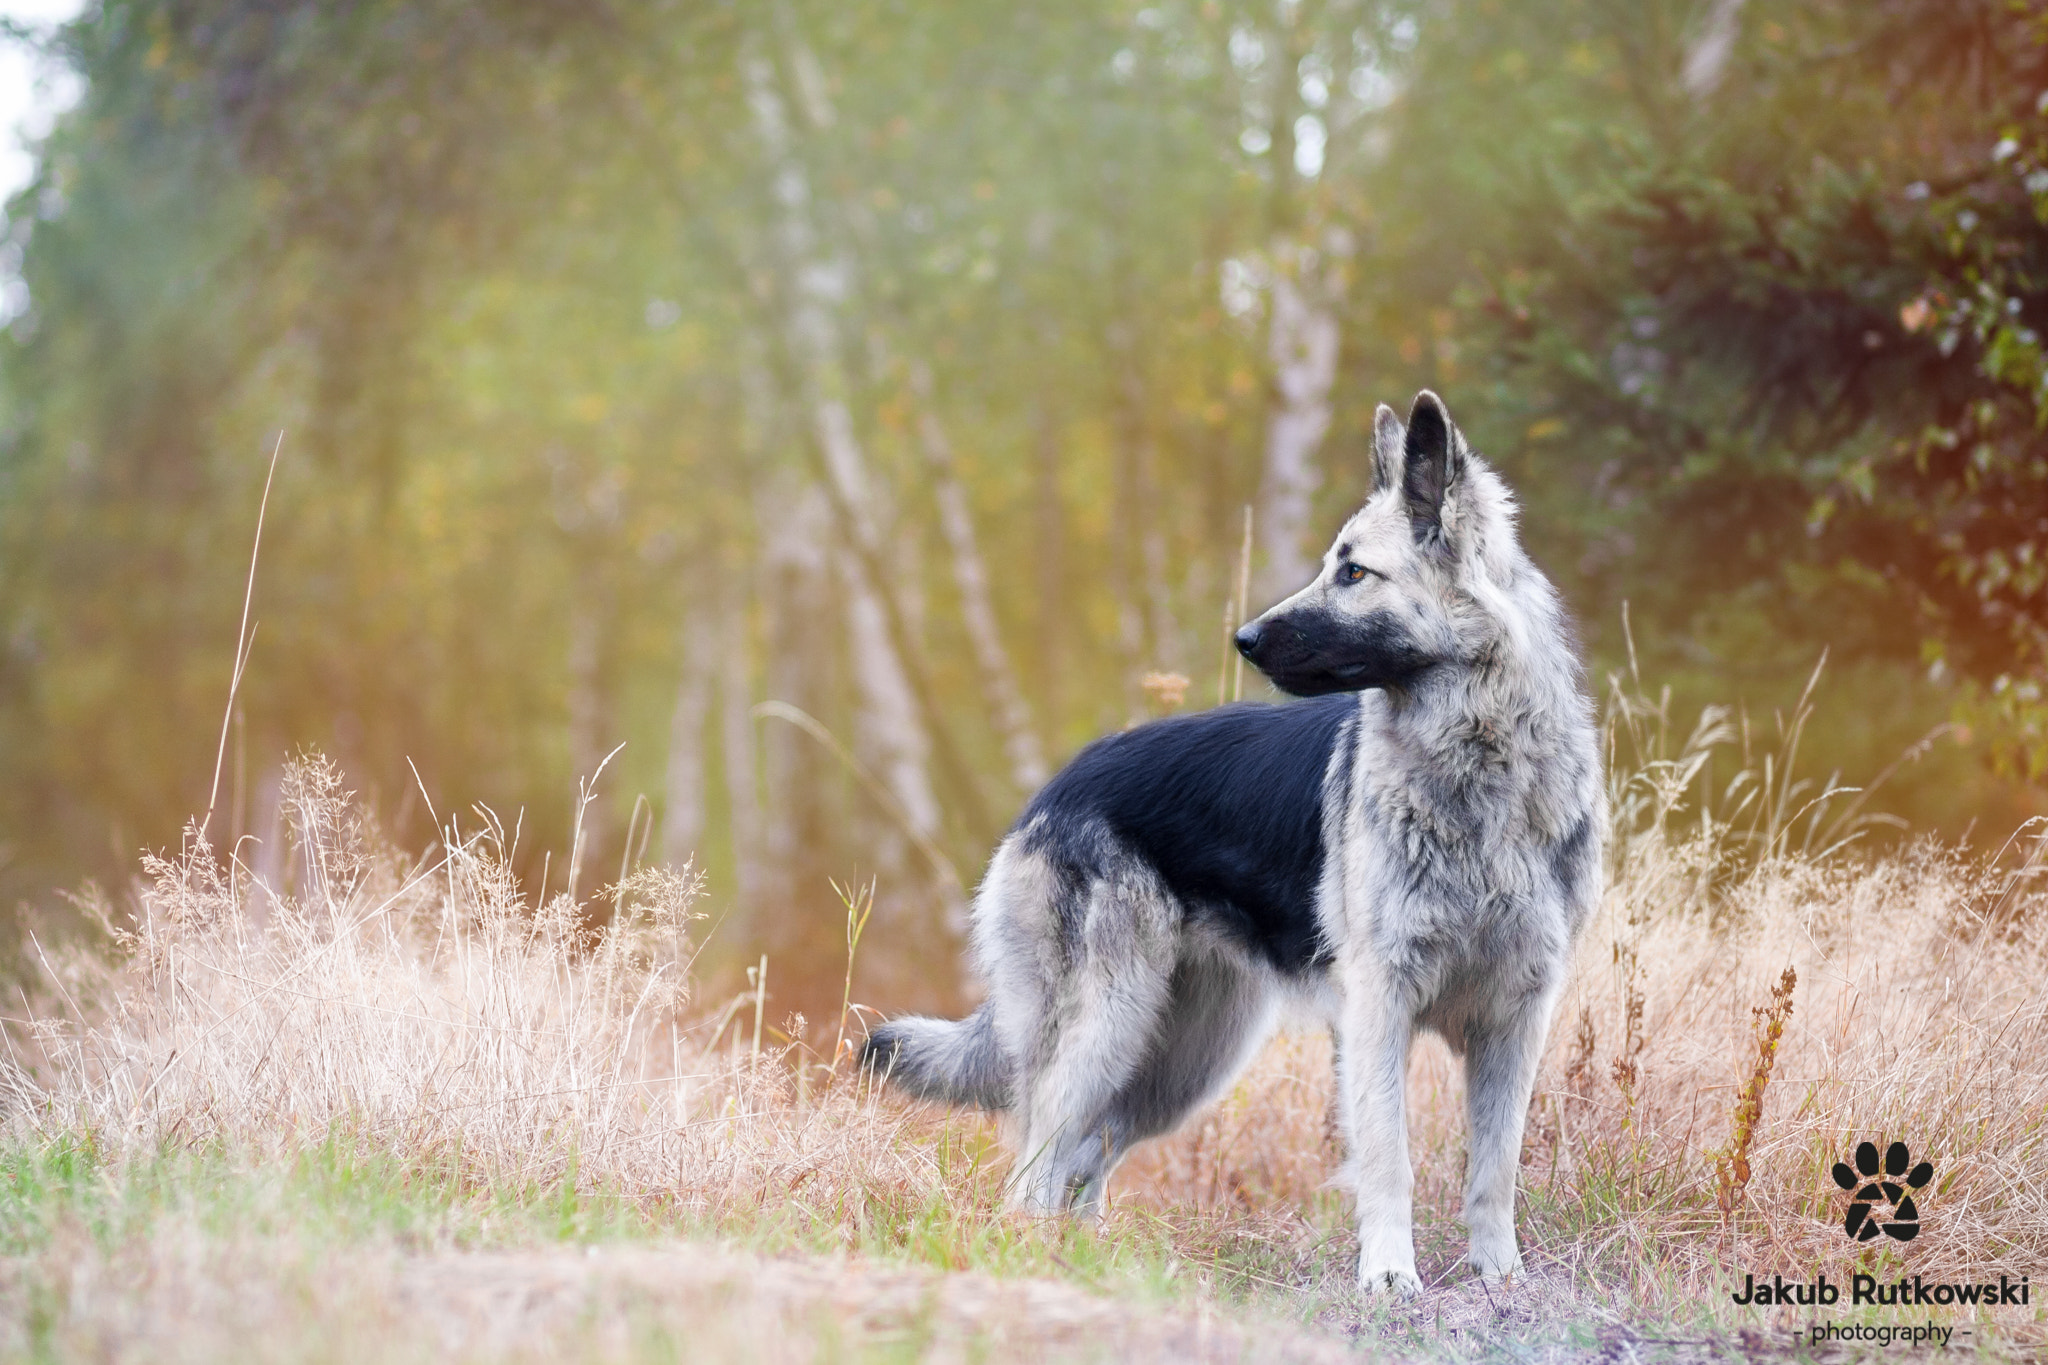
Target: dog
{"type": "Point", "coordinates": [1415, 845]}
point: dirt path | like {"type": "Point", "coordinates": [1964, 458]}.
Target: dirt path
{"type": "Point", "coordinates": [183, 1297]}
{"type": "Point", "coordinates": [174, 1299]}
{"type": "Point", "coordinates": [721, 1303]}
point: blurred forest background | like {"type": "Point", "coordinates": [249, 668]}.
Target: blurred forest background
{"type": "Point", "coordinates": [737, 381]}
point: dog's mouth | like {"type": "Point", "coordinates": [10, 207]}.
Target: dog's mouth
{"type": "Point", "coordinates": [1316, 682]}
{"type": "Point", "coordinates": [1309, 656]}
{"type": "Point", "coordinates": [1354, 676]}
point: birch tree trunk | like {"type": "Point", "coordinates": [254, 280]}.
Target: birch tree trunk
{"type": "Point", "coordinates": [1138, 549]}
{"type": "Point", "coordinates": [894, 709]}
{"type": "Point", "coordinates": [803, 625]}
{"type": "Point", "coordinates": [1050, 620]}
{"type": "Point", "coordinates": [889, 710]}
{"type": "Point", "coordinates": [714, 668]}
{"type": "Point", "coordinates": [1706, 57]}
{"type": "Point", "coordinates": [970, 573]}
{"type": "Point", "coordinates": [1301, 343]}
{"type": "Point", "coordinates": [737, 748]}
{"type": "Point", "coordinates": [1304, 284]}
{"type": "Point", "coordinates": [684, 801]}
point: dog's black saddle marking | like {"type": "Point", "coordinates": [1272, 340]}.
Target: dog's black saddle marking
{"type": "Point", "coordinates": [1225, 805]}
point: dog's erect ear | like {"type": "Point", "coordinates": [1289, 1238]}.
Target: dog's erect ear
{"type": "Point", "coordinates": [1387, 436]}
{"type": "Point", "coordinates": [1432, 457]}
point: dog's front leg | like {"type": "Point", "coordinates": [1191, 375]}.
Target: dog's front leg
{"type": "Point", "coordinates": [1373, 1075]}
{"type": "Point", "coordinates": [1500, 1073]}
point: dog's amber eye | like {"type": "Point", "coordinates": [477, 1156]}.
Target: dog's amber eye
{"type": "Point", "coordinates": [1351, 573]}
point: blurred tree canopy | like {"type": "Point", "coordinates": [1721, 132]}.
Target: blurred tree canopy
{"type": "Point", "coordinates": [845, 407]}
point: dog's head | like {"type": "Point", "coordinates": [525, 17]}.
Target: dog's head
{"type": "Point", "coordinates": [1391, 600]}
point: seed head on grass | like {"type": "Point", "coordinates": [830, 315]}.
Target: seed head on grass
{"type": "Point", "coordinates": [1731, 1164]}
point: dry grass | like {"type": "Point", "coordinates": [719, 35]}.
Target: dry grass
{"type": "Point", "coordinates": [429, 1010]}
{"type": "Point", "coordinates": [425, 1013]}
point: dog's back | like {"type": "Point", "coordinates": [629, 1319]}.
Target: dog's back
{"type": "Point", "coordinates": [1226, 806]}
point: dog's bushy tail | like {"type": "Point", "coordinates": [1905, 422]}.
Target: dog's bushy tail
{"type": "Point", "coordinates": [959, 1061]}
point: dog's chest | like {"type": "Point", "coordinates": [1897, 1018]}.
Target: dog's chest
{"type": "Point", "coordinates": [1454, 842]}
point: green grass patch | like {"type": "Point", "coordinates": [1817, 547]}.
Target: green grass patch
{"type": "Point", "coordinates": [342, 1191]}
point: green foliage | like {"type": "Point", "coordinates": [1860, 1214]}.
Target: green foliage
{"type": "Point", "coordinates": [1781, 322]}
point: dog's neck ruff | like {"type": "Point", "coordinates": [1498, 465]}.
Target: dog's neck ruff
{"type": "Point", "coordinates": [1485, 703]}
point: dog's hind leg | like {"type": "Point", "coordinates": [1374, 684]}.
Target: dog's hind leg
{"type": "Point", "coordinates": [1501, 1058]}
{"type": "Point", "coordinates": [1220, 1009]}
{"type": "Point", "coordinates": [1216, 1012]}
{"type": "Point", "coordinates": [1100, 1028]}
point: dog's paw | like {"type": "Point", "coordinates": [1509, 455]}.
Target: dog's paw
{"type": "Point", "coordinates": [1389, 1281]}
{"type": "Point", "coordinates": [1494, 1264]}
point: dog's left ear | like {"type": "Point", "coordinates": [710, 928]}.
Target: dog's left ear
{"type": "Point", "coordinates": [1432, 458]}
{"type": "Point", "coordinates": [1387, 437]}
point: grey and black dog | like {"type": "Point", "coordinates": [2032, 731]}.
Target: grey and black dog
{"type": "Point", "coordinates": [1416, 846]}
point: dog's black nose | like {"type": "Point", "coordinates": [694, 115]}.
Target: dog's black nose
{"type": "Point", "coordinates": [1248, 639]}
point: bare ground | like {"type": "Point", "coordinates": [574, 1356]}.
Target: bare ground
{"type": "Point", "coordinates": [676, 1301]}
{"type": "Point", "coordinates": [178, 1298]}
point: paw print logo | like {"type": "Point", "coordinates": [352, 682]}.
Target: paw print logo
{"type": "Point", "coordinates": [1867, 1188]}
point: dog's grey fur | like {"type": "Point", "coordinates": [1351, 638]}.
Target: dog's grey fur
{"type": "Point", "coordinates": [1416, 849]}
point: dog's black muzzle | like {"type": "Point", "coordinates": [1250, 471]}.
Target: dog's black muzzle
{"type": "Point", "coordinates": [1311, 653]}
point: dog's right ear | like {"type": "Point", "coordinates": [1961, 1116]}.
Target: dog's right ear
{"type": "Point", "coordinates": [1433, 458]}
{"type": "Point", "coordinates": [1387, 437]}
